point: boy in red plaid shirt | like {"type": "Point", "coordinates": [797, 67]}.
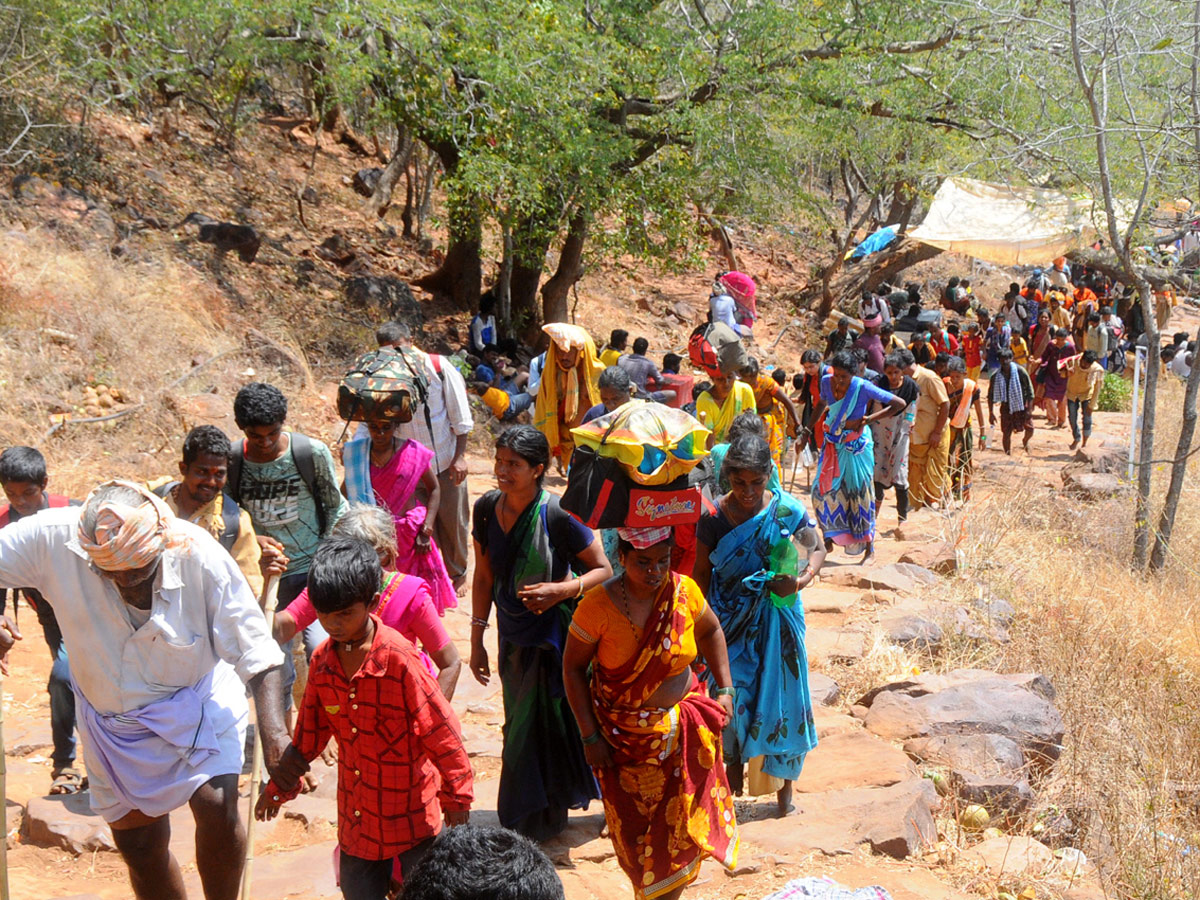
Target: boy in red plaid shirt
{"type": "Point", "coordinates": [402, 767]}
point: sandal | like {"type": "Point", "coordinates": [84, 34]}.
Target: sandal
{"type": "Point", "coordinates": [68, 781]}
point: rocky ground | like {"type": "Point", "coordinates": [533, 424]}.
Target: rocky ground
{"type": "Point", "coordinates": [904, 750]}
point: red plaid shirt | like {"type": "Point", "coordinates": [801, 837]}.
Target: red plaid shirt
{"type": "Point", "coordinates": [401, 759]}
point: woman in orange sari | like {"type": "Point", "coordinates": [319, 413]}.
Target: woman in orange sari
{"type": "Point", "coordinates": [650, 730]}
{"type": "Point", "coordinates": [774, 407]}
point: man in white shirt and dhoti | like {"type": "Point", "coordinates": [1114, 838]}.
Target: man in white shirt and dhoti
{"type": "Point", "coordinates": [164, 636]}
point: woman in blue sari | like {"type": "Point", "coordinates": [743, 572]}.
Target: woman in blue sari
{"type": "Point", "coordinates": [760, 612]}
{"type": "Point", "coordinates": [844, 489]}
{"type": "Point", "coordinates": [533, 561]}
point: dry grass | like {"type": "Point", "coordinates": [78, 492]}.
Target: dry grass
{"type": "Point", "coordinates": [1123, 652]}
{"type": "Point", "coordinates": [73, 318]}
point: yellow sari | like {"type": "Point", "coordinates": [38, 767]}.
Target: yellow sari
{"type": "Point", "coordinates": [564, 396]}
{"type": "Point", "coordinates": [774, 418]}
{"type": "Point", "coordinates": [717, 418]}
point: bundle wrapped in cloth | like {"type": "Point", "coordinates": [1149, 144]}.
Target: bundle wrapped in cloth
{"type": "Point", "coordinates": [631, 468]}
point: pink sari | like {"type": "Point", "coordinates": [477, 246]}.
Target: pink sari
{"type": "Point", "coordinates": [395, 487]}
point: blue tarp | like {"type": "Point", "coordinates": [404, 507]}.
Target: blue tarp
{"type": "Point", "coordinates": [875, 242]}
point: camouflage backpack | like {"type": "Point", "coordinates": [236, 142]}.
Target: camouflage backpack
{"type": "Point", "coordinates": [383, 384]}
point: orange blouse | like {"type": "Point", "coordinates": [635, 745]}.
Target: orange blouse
{"type": "Point", "coordinates": [598, 620]}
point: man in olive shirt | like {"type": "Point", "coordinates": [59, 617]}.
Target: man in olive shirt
{"type": "Point", "coordinates": [929, 443]}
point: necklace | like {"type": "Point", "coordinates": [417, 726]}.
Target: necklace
{"type": "Point", "coordinates": [351, 647]}
{"type": "Point", "coordinates": [625, 602]}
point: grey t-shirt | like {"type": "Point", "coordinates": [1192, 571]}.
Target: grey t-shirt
{"type": "Point", "coordinates": [282, 507]}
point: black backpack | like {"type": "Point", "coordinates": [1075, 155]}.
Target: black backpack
{"type": "Point", "coordinates": [231, 516]}
{"type": "Point", "coordinates": [302, 456]}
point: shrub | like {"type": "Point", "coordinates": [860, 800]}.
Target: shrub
{"type": "Point", "coordinates": [1116, 395]}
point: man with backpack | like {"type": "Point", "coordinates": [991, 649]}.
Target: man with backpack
{"type": "Point", "coordinates": [287, 483]}
{"type": "Point", "coordinates": [441, 421]}
{"type": "Point", "coordinates": [198, 496]}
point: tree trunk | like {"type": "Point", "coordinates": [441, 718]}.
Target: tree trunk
{"type": "Point", "coordinates": [381, 199]}
{"type": "Point", "coordinates": [869, 274]}
{"type": "Point", "coordinates": [460, 276]}
{"type": "Point", "coordinates": [504, 284]}
{"type": "Point", "coordinates": [569, 271]}
{"type": "Point", "coordinates": [1166, 520]}
{"type": "Point", "coordinates": [409, 213]}
{"type": "Point", "coordinates": [1141, 517]}
{"type": "Point", "coordinates": [531, 240]}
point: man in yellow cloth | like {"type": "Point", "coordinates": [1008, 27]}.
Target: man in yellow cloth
{"type": "Point", "coordinates": [569, 387]}
{"type": "Point", "coordinates": [929, 441]}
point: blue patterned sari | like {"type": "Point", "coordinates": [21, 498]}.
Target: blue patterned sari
{"type": "Point", "coordinates": [773, 715]}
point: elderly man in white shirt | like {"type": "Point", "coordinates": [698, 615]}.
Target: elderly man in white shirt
{"type": "Point", "coordinates": [164, 633]}
{"type": "Point", "coordinates": [442, 424]}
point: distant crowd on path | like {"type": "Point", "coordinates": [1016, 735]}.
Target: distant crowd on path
{"type": "Point", "coordinates": [661, 670]}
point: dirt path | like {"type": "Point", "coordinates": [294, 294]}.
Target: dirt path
{"type": "Point", "coordinates": [845, 626]}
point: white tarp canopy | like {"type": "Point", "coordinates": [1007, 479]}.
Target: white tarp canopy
{"type": "Point", "coordinates": [1008, 226]}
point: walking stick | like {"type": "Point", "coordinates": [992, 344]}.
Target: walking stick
{"type": "Point", "coordinates": [270, 598]}
{"type": "Point", "coordinates": [795, 467]}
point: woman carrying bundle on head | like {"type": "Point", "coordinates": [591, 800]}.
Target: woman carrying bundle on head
{"type": "Point", "coordinates": [650, 730]}
{"type": "Point", "coordinates": [746, 565]}
{"type": "Point", "coordinates": [844, 490]}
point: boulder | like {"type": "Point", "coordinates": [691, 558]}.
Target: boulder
{"type": "Point", "coordinates": [824, 690]}
{"type": "Point", "coordinates": [1092, 486]}
{"type": "Point", "coordinates": [990, 705]}
{"type": "Point", "coordinates": [996, 793]}
{"type": "Point", "coordinates": [66, 821]}
{"type": "Point", "coordinates": [928, 684]}
{"type": "Point", "coordinates": [365, 180]}
{"type": "Point", "coordinates": [1103, 459]}
{"type": "Point", "coordinates": [819, 599]}
{"type": "Point", "coordinates": [983, 754]}
{"type": "Point", "coordinates": [388, 294]}
{"type": "Point", "coordinates": [1010, 857]}
{"type": "Point", "coordinates": [903, 578]}
{"type": "Point", "coordinates": [914, 632]}
{"type": "Point", "coordinates": [995, 611]}
{"type": "Point", "coordinates": [853, 759]}
{"type": "Point", "coordinates": [896, 820]}
{"type": "Point", "coordinates": [936, 558]}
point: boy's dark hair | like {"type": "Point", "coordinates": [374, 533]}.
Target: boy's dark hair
{"type": "Point", "coordinates": [1005, 355]}
{"type": "Point", "coordinates": [672, 362]}
{"type": "Point", "coordinates": [940, 359]}
{"type": "Point", "coordinates": [956, 364]}
{"type": "Point", "coordinates": [907, 355]}
{"type": "Point", "coordinates": [1093, 318]}
{"type": "Point", "coordinates": [487, 301]}
{"type": "Point", "coordinates": [844, 320]}
{"type": "Point", "coordinates": [618, 338]}
{"type": "Point", "coordinates": [344, 571]}
{"type": "Point", "coordinates": [391, 333]}
{"type": "Point", "coordinates": [700, 388]}
{"type": "Point", "coordinates": [26, 465]}
{"type": "Point", "coordinates": [798, 380]}
{"type": "Point", "coordinates": [952, 328]}
{"type": "Point", "coordinates": [259, 404]}
{"type": "Point", "coordinates": [1089, 357]}
{"type": "Point", "coordinates": [207, 439]}
{"type": "Point", "coordinates": [640, 346]}
{"type": "Point", "coordinates": [471, 862]}
{"type": "Point", "coordinates": [779, 375]}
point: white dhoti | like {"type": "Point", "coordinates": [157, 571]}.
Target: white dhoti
{"type": "Point", "coordinates": [153, 759]}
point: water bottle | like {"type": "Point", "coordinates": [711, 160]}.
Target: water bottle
{"type": "Point", "coordinates": [784, 561]}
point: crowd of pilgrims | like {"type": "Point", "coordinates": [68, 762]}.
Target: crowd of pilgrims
{"type": "Point", "coordinates": [662, 670]}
